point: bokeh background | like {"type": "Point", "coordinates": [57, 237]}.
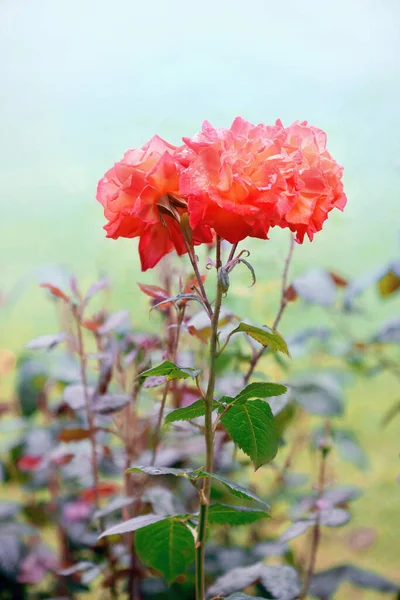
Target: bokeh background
{"type": "Point", "coordinates": [84, 80]}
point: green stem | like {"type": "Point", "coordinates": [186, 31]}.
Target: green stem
{"type": "Point", "coordinates": [209, 440]}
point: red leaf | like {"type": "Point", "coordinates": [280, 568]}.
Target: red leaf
{"type": "Point", "coordinates": [91, 324]}
{"type": "Point", "coordinates": [103, 489]}
{"type": "Point", "coordinates": [29, 463]}
{"type": "Point", "coordinates": [55, 291]}
{"type": "Point", "coordinates": [202, 336]}
{"type": "Point", "coordinates": [338, 279]}
{"type": "Point", "coordinates": [185, 395]}
{"type": "Point", "coordinates": [290, 294]}
{"type": "Point", "coordinates": [191, 283]}
{"type": "Point", "coordinates": [63, 459]}
{"type": "Point", "coordinates": [73, 435]}
{"type": "Point", "coordinates": [154, 291]}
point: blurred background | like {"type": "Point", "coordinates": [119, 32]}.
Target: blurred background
{"type": "Point", "coordinates": [84, 80]}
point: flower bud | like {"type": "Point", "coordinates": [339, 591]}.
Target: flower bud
{"type": "Point", "coordinates": [223, 279]}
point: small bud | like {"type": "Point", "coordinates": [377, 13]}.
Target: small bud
{"type": "Point", "coordinates": [223, 279]}
{"type": "Point", "coordinates": [186, 229]}
{"type": "Point", "coordinates": [325, 445]}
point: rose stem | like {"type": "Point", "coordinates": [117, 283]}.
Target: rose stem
{"type": "Point", "coordinates": [193, 260]}
{"type": "Point", "coordinates": [209, 440]}
{"type": "Point", "coordinates": [283, 303]}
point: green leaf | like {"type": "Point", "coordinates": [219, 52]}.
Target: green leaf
{"type": "Point", "coordinates": [31, 380]}
{"type": "Point", "coordinates": [235, 580]}
{"type": "Point", "coordinates": [280, 582]}
{"type": "Point", "coordinates": [197, 409]}
{"type": "Point", "coordinates": [194, 474]}
{"type": "Point", "coordinates": [260, 390]}
{"type": "Point", "coordinates": [132, 525]}
{"type": "Point", "coordinates": [252, 427]}
{"type": "Point", "coordinates": [235, 489]}
{"type": "Point", "coordinates": [170, 371]}
{"type": "Point", "coordinates": [316, 287]}
{"type": "Point", "coordinates": [177, 299]}
{"type": "Point", "coordinates": [160, 471]}
{"type": "Point", "coordinates": [325, 583]}
{"type": "Point", "coordinates": [234, 515]}
{"type": "Point", "coordinates": [319, 395]}
{"type": "Point", "coordinates": [167, 547]}
{"type": "Point", "coordinates": [349, 448]}
{"type": "Point", "coordinates": [266, 337]}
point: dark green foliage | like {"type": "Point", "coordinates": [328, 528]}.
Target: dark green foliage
{"type": "Point", "coordinates": [170, 371]}
{"type": "Point", "coordinates": [251, 425]}
{"type": "Point", "coordinates": [167, 547]}
{"type": "Point", "coordinates": [326, 583]}
{"type": "Point", "coordinates": [266, 337]}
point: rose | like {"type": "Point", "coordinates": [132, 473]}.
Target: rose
{"type": "Point", "coordinates": [319, 179]}
{"type": "Point", "coordinates": [243, 180]}
{"type": "Point", "coordinates": [239, 181]}
{"type": "Point", "coordinates": [139, 196]}
{"type": "Point", "coordinates": [236, 182]}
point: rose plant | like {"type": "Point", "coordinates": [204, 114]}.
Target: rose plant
{"type": "Point", "coordinates": [142, 440]}
{"type": "Point", "coordinates": [226, 184]}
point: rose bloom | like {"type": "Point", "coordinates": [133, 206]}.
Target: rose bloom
{"type": "Point", "coordinates": [235, 180]}
{"type": "Point", "coordinates": [243, 180]}
{"type": "Point", "coordinates": [139, 196]}
{"type": "Point", "coordinates": [319, 177]}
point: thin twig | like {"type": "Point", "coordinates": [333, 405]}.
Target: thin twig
{"type": "Point", "coordinates": [283, 303]}
{"type": "Point", "coordinates": [232, 252]}
{"type": "Point", "coordinates": [89, 413]}
{"type": "Point", "coordinates": [157, 432]}
{"type": "Point", "coordinates": [93, 444]}
{"type": "Point", "coordinates": [129, 428]}
{"type": "Point", "coordinates": [156, 437]}
{"type": "Point", "coordinates": [193, 260]}
{"type": "Point", "coordinates": [293, 452]}
{"type": "Point", "coordinates": [316, 530]}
